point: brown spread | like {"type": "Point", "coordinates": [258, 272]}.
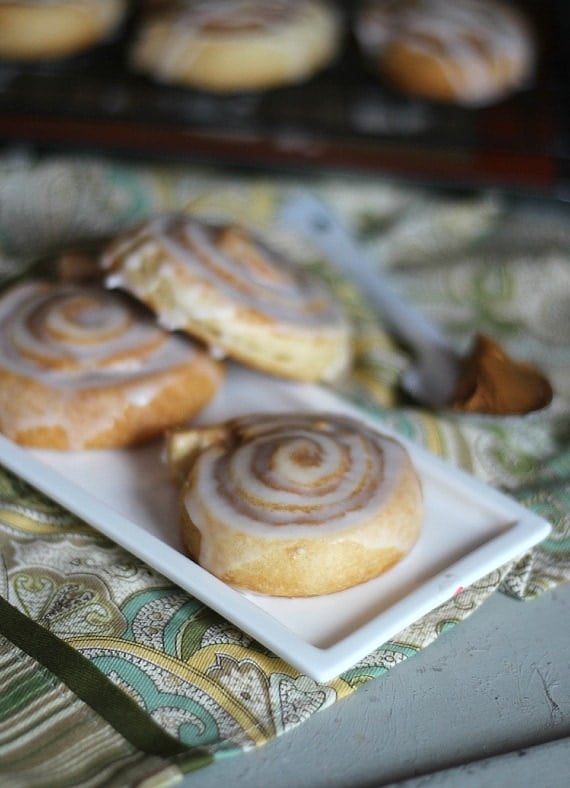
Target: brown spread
{"type": "Point", "coordinates": [492, 382]}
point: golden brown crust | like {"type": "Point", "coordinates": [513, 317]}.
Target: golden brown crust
{"type": "Point", "coordinates": [221, 284]}
{"type": "Point", "coordinates": [180, 395]}
{"type": "Point", "coordinates": [286, 505]}
{"type": "Point", "coordinates": [471, 52]}
{"type": "Point", "coordinates": [63, 387]}
{"type": "Point", "coordinates": [40, 30]}
{"type": "Point", "coordinates": [235, 46]}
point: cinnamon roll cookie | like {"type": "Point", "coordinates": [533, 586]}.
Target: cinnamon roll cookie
{"type": "Point", "coordinates": [48, 29]}
{"type": "Point", "coordinates": [236, 45]}
{"type": "Point", "coordinates": [223, 285]}
{"type": "Point", "coordinates": [469, 52]}
{"type": "Point", "coordinates": [84, 368]}
{"type": "Point", "coordinates": [295, 504]}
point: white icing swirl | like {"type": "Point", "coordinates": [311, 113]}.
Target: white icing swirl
{"type": "Point", "coordinates": [293, 475]}
{"type": "Point", "coordinates": [285, 39]}
{"type": "Point", "coordinates": [467, 38]}
{"type": "Point", "coordinates": [231, 16]}
{"type": "Point", "coordinates": [70, 336]}
{"type": "Point", "coordinates": [242, 271]}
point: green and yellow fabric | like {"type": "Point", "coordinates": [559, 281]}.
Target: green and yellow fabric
{"type": "Point", "coordinates": [110, 674]}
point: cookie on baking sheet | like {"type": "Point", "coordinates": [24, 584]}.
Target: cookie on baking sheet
{"type": "Point", "coordinates": [236, 45]}
{"type": "Point", "coordinates": [220, 283]}
{"type": "Point", "coordinates": [51, 29]}
{"type": "Point", "coordinates": [296, 504]}
{"type": "Point", "coordinates": [467, 52]}
{"type": "Point", "coordinates": [82, 368]}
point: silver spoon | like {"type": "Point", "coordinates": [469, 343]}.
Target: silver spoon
{"type": "Point", "coordinates": [432, 376]}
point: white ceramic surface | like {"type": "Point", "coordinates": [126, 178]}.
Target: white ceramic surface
{"type": "Point", "coordinates": [469, 530]}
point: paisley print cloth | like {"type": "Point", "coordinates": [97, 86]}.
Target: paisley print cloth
{"type": "Point", "coordinates": [134, 680]}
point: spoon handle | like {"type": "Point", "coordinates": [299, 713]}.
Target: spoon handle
{"type": "Point", "coordinates": [307, 215]}
{"type": "Point", "coordinates": [433, 375]}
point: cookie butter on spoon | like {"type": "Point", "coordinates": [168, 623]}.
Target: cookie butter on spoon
{"type": "Point", "coordinates": [486, 381]}
{"type": "Point", "coordinates": [492, 382]}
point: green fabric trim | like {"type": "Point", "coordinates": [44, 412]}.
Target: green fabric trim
{"type": "Point", "coordinates": [82, 678]}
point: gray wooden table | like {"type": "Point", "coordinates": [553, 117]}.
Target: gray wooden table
{"type": "Point", "coordinates": [488, 704]}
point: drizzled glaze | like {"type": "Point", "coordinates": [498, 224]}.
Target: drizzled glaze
{"type": "Point", "coordinates": [288, 30]}
{"type": "Point", "coordinates": [81, 337]}
{"type": "Point", "coordinates": [81, 367]}
{"type": "Point", "coordinates": [239, 270]}
{"type": "Point", "coordinates": [466, 38]}
{"type": "Point", "coordinates": [221, 16]}
{"type": "Point", "coordinates": [284, 477]}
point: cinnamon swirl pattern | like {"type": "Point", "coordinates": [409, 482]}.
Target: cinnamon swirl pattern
{"type": "Point", "coordinates": [297, 504]}
{"type": "Point", "coordinates": [236, 45]}
{"type": "Point", "coordinates": [244, 299]}
{"type": "Point", "coordinates": [469, 52]}
{"type": "Point", "coordinates": [81, 367]}
{"type": "Point", "coordinates": [51, 29]}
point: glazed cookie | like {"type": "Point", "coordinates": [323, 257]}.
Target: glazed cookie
{"type": "Point", "coordinates": [236, 45]}
{"type": "Point", "coordinates": [469, 52]}
{"type": "Point", "coordinates": [296, 504]}
{"type": "Point", "coordinates": [83, 368]}
{"type": "Point", "coordinates": [221, 284]}
{"type": "Point", "coordinates": [51, 29]}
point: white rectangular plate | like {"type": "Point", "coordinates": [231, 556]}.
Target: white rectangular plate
{"type": "Point", "coordinates": [469, 530]}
